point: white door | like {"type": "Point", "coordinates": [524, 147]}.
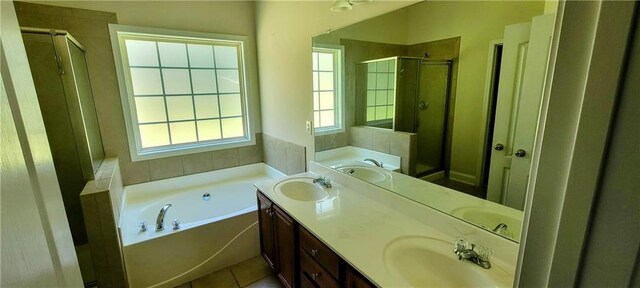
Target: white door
{"type": "Point", "coordinates": [529, 110]}
{"type": "Point", "coordinates": [35, 240]}
{"type": "Point", "coordinates": [524, 66]}
{"type": "Point", "coordinates": [514, 56]}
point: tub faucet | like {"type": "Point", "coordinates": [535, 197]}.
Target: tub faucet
{"type": "Point", "coordinates": [500, 228]}
{"type": "Point", "coordinates": [379, 164]}
{"type": "Point", "coordinates": [160, 219]}
{"type": "Point", "coordinates": [481, 259]}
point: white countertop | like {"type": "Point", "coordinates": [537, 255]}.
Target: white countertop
{"type": "Point", "coordinates": [359, 225]}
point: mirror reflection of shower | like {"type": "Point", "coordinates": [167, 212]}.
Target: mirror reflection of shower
{"type": "Point", "coordinates": [409, 94]}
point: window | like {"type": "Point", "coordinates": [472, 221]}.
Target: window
{"type": "Point", "coordinates": [381, 76]}
{"type": "Point", "coordinates": [182, 92]}
{"type": "Point", "coordinates": [327, 89]}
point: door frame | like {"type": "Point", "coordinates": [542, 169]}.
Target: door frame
{"type": "Point", "coordinates": [585, 70]}
{"type": "Point", "coordinates": [487, 102]}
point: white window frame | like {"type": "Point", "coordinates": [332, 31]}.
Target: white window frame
{"type": "Point", "coordinates": [128, 102]}
{"type": "Point", "coordinates": [338, 85]}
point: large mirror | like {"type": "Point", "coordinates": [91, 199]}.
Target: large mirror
{"type": "Point", "coordinates": [438, 102]}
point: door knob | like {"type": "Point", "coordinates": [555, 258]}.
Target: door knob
{"type": "Point", "coordinates": [422, 105]}
{"type": "Point", "coordinates": [498, 147]}
{"type": "Point", "coordinates": [520, 153]}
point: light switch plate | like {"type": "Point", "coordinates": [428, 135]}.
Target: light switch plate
{"type": "Point", "coordinates": [308, 127]}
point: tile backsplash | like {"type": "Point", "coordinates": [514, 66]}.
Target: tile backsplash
{"type": "Point", "coordinates": [284, 156]}
{"type": "Point", "coordinates": [396, 143]}
{"type": "Point", "coordinates": [156, 169]}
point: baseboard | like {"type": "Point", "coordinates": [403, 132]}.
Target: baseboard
{"type": "Point", "coordinates": [462, 177]}
{"type": "Point", "coordinates": [433, 176]}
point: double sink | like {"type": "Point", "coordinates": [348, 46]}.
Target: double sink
{"type": "Point", "coordinates": [417, 260]}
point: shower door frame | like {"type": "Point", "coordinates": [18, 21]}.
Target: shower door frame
{"type": "Point", "coordinates": [444, 156]}
{"type": "Point", "coordinates": [61, 39]}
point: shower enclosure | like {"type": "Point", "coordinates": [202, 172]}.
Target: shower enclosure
{"type": "Point", "coordinates": [409, 94]}
{"type": "Point", "coordinates": [58, 66]}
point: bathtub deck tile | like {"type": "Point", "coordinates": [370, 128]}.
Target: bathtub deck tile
{"type": "Point", "coordinates": [220, 279]}
{"type": "Point", "coordinates": [250, 271]}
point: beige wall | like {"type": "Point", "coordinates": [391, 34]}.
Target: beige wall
{"type": "Point", "coordinates": [284, 31]}
{"type": "Point", "coordinates": [224, 17]}
{"type": "Point", "coordinates": [435, 20]}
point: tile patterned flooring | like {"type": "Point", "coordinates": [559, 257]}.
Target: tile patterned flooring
{"type": "Point", "coordinates": [253, 273]}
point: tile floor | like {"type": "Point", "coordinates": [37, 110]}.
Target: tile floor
{"type": "Point", "coordinates": [253, 273]}
{"type": "Point", "coordinates": [480, 192]}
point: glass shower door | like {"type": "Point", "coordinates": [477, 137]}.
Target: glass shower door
{"type": "Point", "coordinates": [431, 116]}
{"type": "Point", "coordinates": [87, 105]}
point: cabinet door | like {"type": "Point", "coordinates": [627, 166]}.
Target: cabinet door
{"type": "Point", "coordinates": [267, 240]}
{"type": "Point", "coordinates": [355, 280]}
{"type": "Point", "coordinates": [285, 232]}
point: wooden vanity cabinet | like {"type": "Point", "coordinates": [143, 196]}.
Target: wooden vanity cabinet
{"type": "Point", "coordinates": [297, 256]}
{"type": "Point", "coordinates": [353, 279]}
{"type": "Point", "coordinates": [278, 240]}
{"type": "Point", "coordinates": [285, 232]}
{"type": "Point", "coordinates": [267, 239]}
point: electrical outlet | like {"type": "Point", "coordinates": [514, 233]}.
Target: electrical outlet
{"type": "Point", "coordinates": [308, 127]}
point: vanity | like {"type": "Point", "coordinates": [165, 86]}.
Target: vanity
{"type": "Point", "coordinates": [346, 232]}
{"type": "Point", "coordinates": [298, 257]}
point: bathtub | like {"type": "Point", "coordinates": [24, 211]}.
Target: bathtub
{"type": "Point", "coordinates": [214, 232]}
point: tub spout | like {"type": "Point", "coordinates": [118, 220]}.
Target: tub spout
{"type": "Point", "coordinates": [160, 219]}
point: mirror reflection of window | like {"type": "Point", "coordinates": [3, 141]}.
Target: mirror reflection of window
{"type": "Point", "coordinates": [327, 89]}
{"type": "Point", "coordinates": [381, 84]}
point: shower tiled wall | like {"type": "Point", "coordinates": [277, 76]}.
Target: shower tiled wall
{"type": "Point", "coordinates": [396, 143]}
{"type": "Point", "coordinates": [101, 200]}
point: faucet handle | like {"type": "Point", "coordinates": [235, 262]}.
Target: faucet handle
{"type": "Point", "coordinates": [460, 244]}
{"type": "Point", "coordinates": [143, 226]}
{"type": "Point", "coordinates": [484, 252]}
{"type": "Point", "coordinates": [176, 224]}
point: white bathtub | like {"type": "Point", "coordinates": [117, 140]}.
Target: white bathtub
{"type": "Point", "coordinates": [213, 234]}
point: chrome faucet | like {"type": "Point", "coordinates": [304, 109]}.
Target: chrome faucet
{"type": "Point", "coordinates": [323, 181]}
{"type": "Point", "coordinates": [379, 164]}
{"type": "Point", "coordinates": [500, 228]}
{"type": "Point", "coordinates": [481, 259]}
{"type": "Point", "coordinates": [160, 219]}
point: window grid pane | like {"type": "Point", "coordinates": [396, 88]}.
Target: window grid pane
{"type": "Point", "coordinates": [380, 90]}
{"type": "Point", "coordinates": [179, 95]}
{"type": "Point", "coordinates": [325, 83]}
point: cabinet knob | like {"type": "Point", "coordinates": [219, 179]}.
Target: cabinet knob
{"type": "Point", "coordinates": [521, 153]}
{"type": "Point", "coordinates": [315, 275]}
{"type": "Point", "coordinates": [498, 147]}
{"type": "Point", "coordinates": [314, 252]}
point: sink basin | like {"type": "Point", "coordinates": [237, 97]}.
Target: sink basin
{"type": "Point", "coordinates": [369, 174]}
{"type": "Point", "coordinates": [429, 262]}
{"type": "Point", "coordinates": [301, 189]}
{"type": "Point", "coordinates": [490, 218]}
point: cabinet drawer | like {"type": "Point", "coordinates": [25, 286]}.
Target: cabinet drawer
{"type": "Point", "coordinates": [314, 273]}
{"type": "Point", "coordinates": [321, 253]}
